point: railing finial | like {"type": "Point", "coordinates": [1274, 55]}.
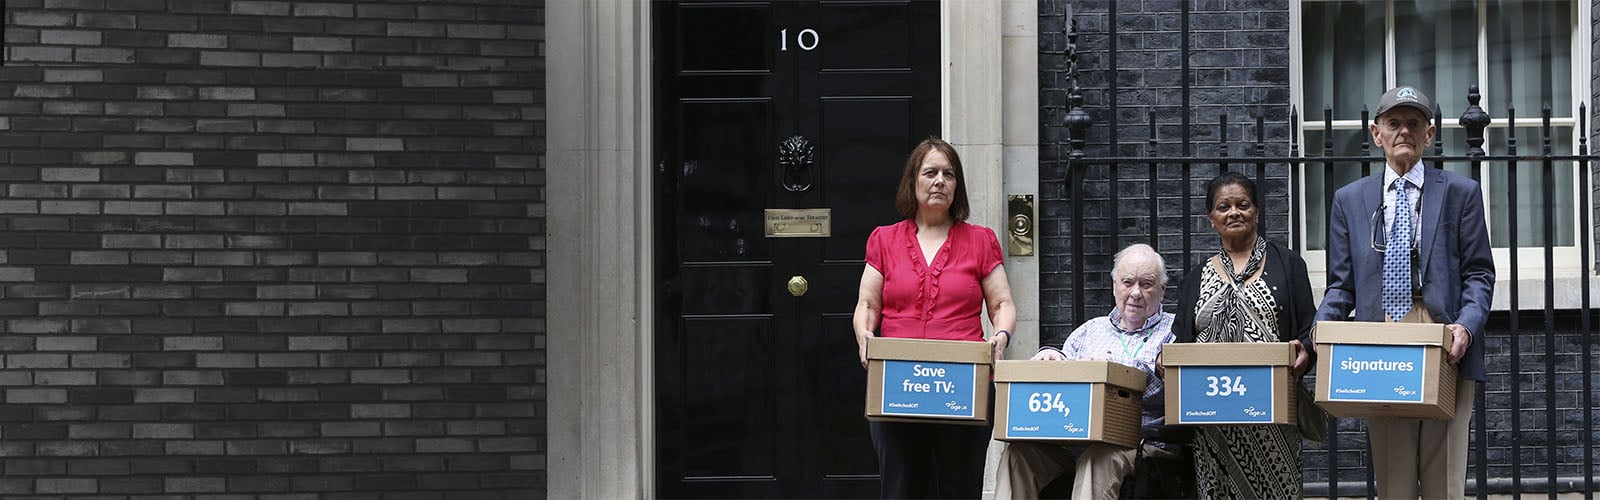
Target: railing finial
{"type": "Point", "coordinates": [1583, 128]}
{"type": "Point", "coordinates": [1294, 131]}
{"type": "Point", "coordinates": [1474, 120]}
{"type": "Point", "coordinates": [1366, 139]}
{"type": "Point", "coordinates": [1261, 135]}
{"type": "Point", "coordinates": [1222, 132]}
{"type": "Point", "coordinates": [1076, 120]}
{"type": "Point", "coordinates": [1327, 127]}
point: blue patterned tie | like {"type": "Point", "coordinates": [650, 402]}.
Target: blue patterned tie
{"type": "Point", "coordinates": [1397, 257]}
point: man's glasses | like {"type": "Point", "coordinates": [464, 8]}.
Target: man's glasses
{"type": "Point", "coordinates": [1380, 244]}
{"type": "Point", "coordinates": [1380, 236]}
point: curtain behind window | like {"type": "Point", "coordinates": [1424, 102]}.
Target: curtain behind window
{"type": "Point", "coordinates": [1343, 55]}
{"type": "Point", "coordinates": [1528, 62]}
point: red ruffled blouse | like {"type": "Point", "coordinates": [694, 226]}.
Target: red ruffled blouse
{"type": "Point", "coordinates": [938, 301]}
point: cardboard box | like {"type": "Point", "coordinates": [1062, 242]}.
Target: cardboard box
{"type": "Point", "coordinates": [1386, 370]}
{"type": "Point", "coordinates": [916, 380]}
{"type": "Point", "coordinates": [1229, 383]}
{"type": "Point", "coordinates": [1068, 402]}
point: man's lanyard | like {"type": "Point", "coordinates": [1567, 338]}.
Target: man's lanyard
{"type": "Point", "coordinates": [1124, 339]}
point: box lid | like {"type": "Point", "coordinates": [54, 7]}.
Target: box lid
{"type": "Point", "coordinates": [1103, 372]}
{"type": "Point", "coordinates": [1229, 354]}
{"type": "Point", "coordinates": [1370, 332]}
{"type": "Point", "coordinates": [949, 351]}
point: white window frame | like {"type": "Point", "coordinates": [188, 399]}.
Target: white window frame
{"type": "Point", "coordinates": [1530, 263]}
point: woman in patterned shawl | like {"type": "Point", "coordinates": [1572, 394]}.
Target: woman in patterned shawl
{"type": "Point", "coordinates": [1251, 290]}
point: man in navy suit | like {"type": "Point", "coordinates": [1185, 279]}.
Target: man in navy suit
{"type": "Point", "coordinates": [1410, 244]}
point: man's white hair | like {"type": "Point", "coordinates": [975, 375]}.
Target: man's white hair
{"type": "Point", "coordinates": [1136, 249]}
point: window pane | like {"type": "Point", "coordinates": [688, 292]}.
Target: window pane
{"type": "Point", "coordinates": [1343, 57]}
{"type": "Point", "coordinates": [1437, 51]}
{"type": "Point", "coordinates": [1530, 57]}
{"type": "Point", "coordinates": [1455, 144]}
{"type": "Point", "coordinates": [1528, 63]}
{"type": "Point", "coordinates": [1323, 179]}
{"type": "Point", "coordinates": [1529, 186]}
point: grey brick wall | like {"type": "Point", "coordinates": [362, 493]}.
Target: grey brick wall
{"type": "Point", "coordinates": [272, 249]}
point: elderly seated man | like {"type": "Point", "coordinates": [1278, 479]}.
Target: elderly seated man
{"type": "Point", "coordinates": [1131, 335]}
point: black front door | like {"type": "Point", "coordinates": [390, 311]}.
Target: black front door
{"type": "Point", "coordinates": [758, 391]}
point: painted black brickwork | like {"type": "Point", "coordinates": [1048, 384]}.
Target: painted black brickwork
{"type": "Point", "coordinates": [272, 249]}
{"type": "Point", "coordinates": [1239, 66]}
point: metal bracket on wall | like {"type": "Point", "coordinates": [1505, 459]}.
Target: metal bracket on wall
{"type": "Point", "coordinates": [1019, 224]}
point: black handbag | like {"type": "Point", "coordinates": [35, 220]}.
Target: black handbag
{"type": "Point", "coordinates": [1312, 419]}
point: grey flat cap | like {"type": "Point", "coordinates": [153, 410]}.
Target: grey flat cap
{"type": "Point", "coordinates": [1408, 96]}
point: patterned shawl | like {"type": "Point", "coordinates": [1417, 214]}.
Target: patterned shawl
{"type": "Point", "coordinates": [1233, 309]}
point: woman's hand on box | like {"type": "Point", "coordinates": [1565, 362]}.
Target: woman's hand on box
{"type": "Point", "coordinates": [861, 348]}
{"type": "Point", "coordinates": [998, 343]}
{"type": "Point", "coordinates": [1302, 359]}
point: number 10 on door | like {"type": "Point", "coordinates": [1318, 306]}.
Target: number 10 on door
{"type": "Point", "coordinates": [807, 39]}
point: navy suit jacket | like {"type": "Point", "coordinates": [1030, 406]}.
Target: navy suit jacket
{"type": "Point", "coordinates": [1457, 266]}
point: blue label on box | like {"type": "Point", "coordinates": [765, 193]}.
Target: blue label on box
{"type": "Point", "coordinates": [929, 389]}
{"type": "Point", "coordinates": [1390, 373]}
{"type": "Point", "coordinates": [1226, 395]}
{"type": "Point", "coordinates": [1054, 410]}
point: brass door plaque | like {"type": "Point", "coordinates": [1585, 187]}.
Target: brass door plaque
{"type": "Point", "coordinates": [799, 222]}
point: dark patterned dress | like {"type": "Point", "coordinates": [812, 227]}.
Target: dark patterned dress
{"type": "Point", "coordinates": [1243, 461]}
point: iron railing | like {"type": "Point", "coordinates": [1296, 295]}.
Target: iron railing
{"type": "Point", "coordinates": [1520, 378]}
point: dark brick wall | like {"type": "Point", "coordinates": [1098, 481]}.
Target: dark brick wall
{"type": "Point", "coordinates": [1518, 393]}
{"type": "Point", "coordinates": [1238, 55]}
{"type": "Point", "coordinates": [272, 249]}
{"type": "Point", "coordinates": [1239, 66]}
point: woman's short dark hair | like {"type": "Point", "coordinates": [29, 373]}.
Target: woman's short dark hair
{"type": "Point", "coordinates": [1228, 178]}
{"type": "Point", "coordinates": [905, 198]}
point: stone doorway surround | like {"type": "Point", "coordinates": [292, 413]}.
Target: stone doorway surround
{"type": "Point", "coordinates": [597, 379]}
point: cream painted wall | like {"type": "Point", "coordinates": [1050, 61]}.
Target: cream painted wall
{"type": "Point", "coordinates": [599, 247]}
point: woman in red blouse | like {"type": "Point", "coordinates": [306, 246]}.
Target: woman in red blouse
{"type": "Point", "coordinates": [929, 277]}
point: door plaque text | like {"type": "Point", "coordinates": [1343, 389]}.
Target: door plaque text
{"type": "Point", "coordinates": [799, 222]}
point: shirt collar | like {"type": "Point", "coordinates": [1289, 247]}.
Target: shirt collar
{"type": "Point", "coordinates": [1150, 322]}
{"type": "Point", "coordinates": [1413, 176]}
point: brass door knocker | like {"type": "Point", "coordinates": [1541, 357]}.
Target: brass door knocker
{"type": "Point", "coordinates": [796, 156]}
